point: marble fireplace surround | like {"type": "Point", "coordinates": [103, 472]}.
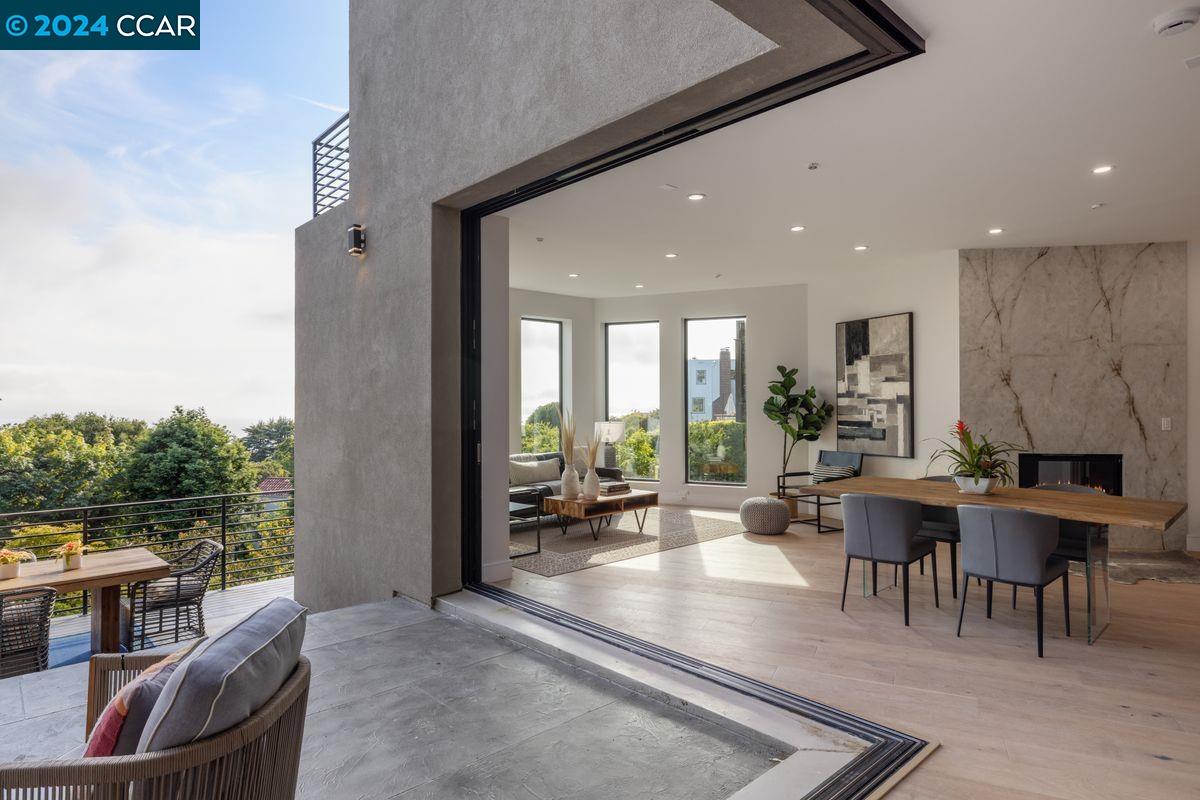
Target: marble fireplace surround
{"type": "Point", "coordinates": [1083, 350]}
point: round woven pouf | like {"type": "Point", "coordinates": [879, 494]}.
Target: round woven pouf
{"type": "Point", "coordinates": [765, 515]}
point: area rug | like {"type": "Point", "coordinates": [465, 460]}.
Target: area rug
{"type": "Point", "coordinates": [1165, 567]}
{"type": "Point", "coordinates": [665, 529]}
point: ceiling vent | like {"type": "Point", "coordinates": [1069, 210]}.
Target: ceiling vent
{"type": "Point", "coordinates": [1178, 21]}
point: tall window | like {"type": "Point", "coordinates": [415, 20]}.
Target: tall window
{"type": "Point", "coordinates": [631, 353]}
{"type": "Point", "coordinates": [541, 385]}
{"type": "Point", "coordinates": [715, 370]}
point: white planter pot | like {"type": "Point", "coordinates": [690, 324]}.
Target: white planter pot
{"type": "Point", "coordinates": [968, 484]}
{"type": "Point", "coordinates": [570, 482]}
{"type": "Point", "coordinates": [591, 485]}
{"type": "Point", "coordinates": [9, 571]}
{"type": "Point", "coordinates": [72, 562]}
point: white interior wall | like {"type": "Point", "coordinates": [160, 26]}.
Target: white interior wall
{"type": "Point", "coordinates": [926, 286]}
{"type": "Point", "coordinates": [578, 317]}
{"type": "Point", "coordinates": [775, 334]}
{"type": "Point", "coordinates": [494, 443]}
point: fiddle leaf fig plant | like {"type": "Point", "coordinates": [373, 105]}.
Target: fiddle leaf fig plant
{"type": "Point", "coordinates": [800, 416]}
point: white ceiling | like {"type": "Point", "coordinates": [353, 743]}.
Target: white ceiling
{"type": "Point", "coordinates": [998, 124]}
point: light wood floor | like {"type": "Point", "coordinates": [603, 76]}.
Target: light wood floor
{"type": "Point", "coordinates": [1120, 719]}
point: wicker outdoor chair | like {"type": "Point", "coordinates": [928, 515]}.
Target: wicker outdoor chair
{"type": "Point", "coordinates": [25, 630]}
{"type": "Point", "coordinates": [256, 760]}
{"type": "Point", "coordinates": [173, 605]}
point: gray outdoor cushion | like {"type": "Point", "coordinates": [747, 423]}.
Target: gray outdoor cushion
{"type": "Point", "coordinates": [228, 677]}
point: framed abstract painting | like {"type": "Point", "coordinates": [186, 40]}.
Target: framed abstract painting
{"type": "Point", "coordinates": [875, 386]}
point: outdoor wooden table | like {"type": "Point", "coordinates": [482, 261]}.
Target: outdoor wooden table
{"type": "Point", "coordinates": [1097, 511]}
{"type": "Point", "coordinates": [102, 574]}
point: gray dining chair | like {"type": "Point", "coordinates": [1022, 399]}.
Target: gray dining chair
{"type": "Point", "coordinates": [884, 530]}
{"type": "Point", "coordinates": [1072, 536]}
{"type": "Point", "coordinates": [940, 524]}
{"type": "Point", "coordinates": [1011, 546]}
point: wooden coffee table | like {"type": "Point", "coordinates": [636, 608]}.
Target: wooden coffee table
{"type": "Point", "coordinates": [598, 512]}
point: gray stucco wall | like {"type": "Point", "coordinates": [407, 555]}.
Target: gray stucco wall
{"type": "Point", "coordinates": [454, 101]}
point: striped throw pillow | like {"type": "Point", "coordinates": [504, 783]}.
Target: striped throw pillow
{"type": "Point", "coordinates": [822, 473]}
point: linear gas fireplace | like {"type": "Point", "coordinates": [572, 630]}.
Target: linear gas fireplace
{"type": "Point", "coordinates": [1099, 470]}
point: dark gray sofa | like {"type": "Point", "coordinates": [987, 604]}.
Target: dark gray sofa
{"type": "Point", "coordinates": [548, 488]}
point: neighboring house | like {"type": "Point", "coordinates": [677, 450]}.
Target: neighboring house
{"type": "Point", "coordinates": [712, 388]}
{"type": "Point", "coordinates": [277, 491]}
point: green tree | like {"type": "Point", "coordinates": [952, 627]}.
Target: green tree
{"type": "Point", "coordinates": [637, 454]}
{"type": "Point", "coordinates": [267, 469]}
{"type": "Point", "coordinates": [285, 454]}
{"type": "Point", "coordinates": [186, 455]}
{"type": "Point", "coordinates": [263, 438]}
{"type": "Point", "coordinates": [44, 464]}
{"type": "Point", "coordinates": [547, 413]}
{"type": "Point", "coordinates": [717, 451]}
{"type": "Point", "coordinates": [540, 437]}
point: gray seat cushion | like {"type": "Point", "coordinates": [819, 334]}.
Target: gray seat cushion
{"type": "Point", "coordinates": [227, 677]}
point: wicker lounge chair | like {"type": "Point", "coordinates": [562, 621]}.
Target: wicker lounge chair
{"type": "Point", "coordinates": [256, 760]}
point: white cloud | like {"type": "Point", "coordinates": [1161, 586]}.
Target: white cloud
{"type": "Point", "coordinates": [327, 106]}
{"type": "Point", "coordinates": [139, 268]}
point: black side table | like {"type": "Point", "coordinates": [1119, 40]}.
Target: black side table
{"type": "Point", "coordinates": [520, 503]}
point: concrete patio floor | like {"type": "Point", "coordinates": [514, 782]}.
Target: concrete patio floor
{"type": "Point", "coordinates": [407, 702]}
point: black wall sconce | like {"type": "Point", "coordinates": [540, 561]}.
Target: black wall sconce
{"type": "Point", "coordinates": [356, 240]}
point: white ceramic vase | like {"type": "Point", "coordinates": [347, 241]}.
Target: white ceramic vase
{"type": "Point", "coordinates": [72, 562]}
{"type": "Point", "coordinates": [969, 484]}
{"type": "Point", "coordinates": [591, 485]}
{"type": "Point", "coordinates": [10, 571]}
{"type": "Point", "coordinates": [570, 482]}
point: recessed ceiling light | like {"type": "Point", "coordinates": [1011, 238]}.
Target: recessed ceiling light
{"type": "Point", "coordinates": [797, 228]}
{"type": "Point", "coordinates": [672, 255]}
{"type": "Point", "coordinates": [860, 247]}
{"type": "Point", "coordinates": [639, 286]}
{"type": "Point", "coordinates": [572, 274]}
{"type": "Point", "coordinates": [1103, 169]}
{"type": "Point", "coordinates": [995, 231]}
{"type": "Point", "coordinates": [696, 196]}
{"type": "Point", "coordinates": [1097, 205]}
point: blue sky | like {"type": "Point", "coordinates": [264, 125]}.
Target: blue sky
{"type": "Point", "coordinates": [147, 207]}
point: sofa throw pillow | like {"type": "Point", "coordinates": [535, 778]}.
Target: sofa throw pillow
{"type": "Point", "coordinates": [120, 726]}
{"type": "Point", "coordinates": [522, 473]}
{"type": "Point", "coordinates": [823, 473]}
{"type": "Point", "coordinates": [228, 677]}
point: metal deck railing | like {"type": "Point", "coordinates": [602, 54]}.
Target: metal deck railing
{"type": "Point", "coordinates": [257, 530]}
{"type": "Point", "coordinates": [331, 166]}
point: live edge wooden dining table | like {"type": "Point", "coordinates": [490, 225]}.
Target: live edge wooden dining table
{"type": "Point", "coordinates": [102, 574]}
{"type": "Point", "coordinates": [1096, 511]}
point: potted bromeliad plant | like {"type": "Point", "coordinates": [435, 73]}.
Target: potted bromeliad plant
{"type": "Point", "coordinates": [801, 416]}
{"type": "Point", "coordinates": [10, 562]}
{"type": "Point", "coordinates": [71, 552]}
{"type": "Point", "coordinates": [977, 464]}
